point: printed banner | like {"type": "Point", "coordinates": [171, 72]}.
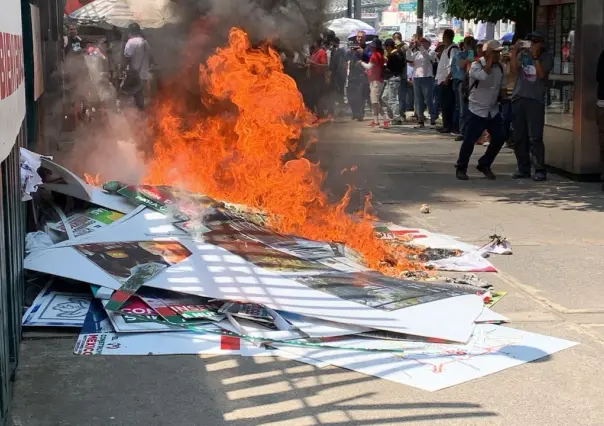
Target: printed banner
{"type": "Point", "coordinates": [12, 87]}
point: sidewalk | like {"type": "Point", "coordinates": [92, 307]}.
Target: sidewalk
{"type": "Point", "coordinates": [553, 282]}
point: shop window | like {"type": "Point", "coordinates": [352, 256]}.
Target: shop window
{"type": "Point", "coordinates": [558, 24]}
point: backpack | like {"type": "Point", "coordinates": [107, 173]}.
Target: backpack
{"type": "Point", "coordinates": [465, 85]}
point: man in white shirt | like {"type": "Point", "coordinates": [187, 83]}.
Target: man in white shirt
{"type": "Point", "coordinates": [487, 88]}
{"type": "Point", "coordinates": [138, 56]}
{"type": "Point", "coordinates": [445, 84]}
{"type": "Point", "coordinates": [422, 59]}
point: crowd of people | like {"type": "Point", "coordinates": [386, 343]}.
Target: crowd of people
{"type": "Point", "coordinates": [484, 92]}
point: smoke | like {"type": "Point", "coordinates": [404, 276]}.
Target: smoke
{"type": "Point", "coordinates": [114, 144]}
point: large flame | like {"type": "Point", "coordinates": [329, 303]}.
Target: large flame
{"type": "Point", "coordinates": [237, 154]}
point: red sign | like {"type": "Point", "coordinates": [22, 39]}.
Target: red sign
{"type": "Point", "coordinates": [11, 63]}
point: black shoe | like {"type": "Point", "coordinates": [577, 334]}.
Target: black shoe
{"type": "Point", "coordinates": [461, 174]}
{"type": "Point", "coordinates": [396, 122]}
{"type": "Point", "coordinates": [521, 175]}
{"type": "Point", "coordinates": [444, 130]}
{"type": "Point", "coordinates": [458, 138]}
{"type": "Point", "coordinates": [486, 171]}
{"type": "Point", "coordinates": [433, 123]}
{"type": "Point", "coordinates": [540, 177]}
{"type": "Point", "coordinates": [420, 126]}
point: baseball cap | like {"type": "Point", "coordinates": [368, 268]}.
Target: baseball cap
{"type": "Point", "coordinates": [493, 45]}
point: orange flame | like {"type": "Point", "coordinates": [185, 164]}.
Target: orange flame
{"type": "Point", "coordinates": [92, 180]}
{"type": "Point", "coordinates": [237, 153]}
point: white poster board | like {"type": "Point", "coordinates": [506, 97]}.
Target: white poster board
{"type": "Point", "coordinates": [12, 87]}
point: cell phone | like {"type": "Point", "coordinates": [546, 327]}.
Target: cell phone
{"type": "Point", "coordinates": [525, 44]}
{"type": "Point", "coordinates": [471, 55]}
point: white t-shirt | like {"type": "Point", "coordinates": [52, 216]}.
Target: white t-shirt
{"type": "Point", "coordinates": [444, 65]}
{"type": "Point", "coordinates": [422, 63]}
{"type": "Point", "coordinates": [137, 49]}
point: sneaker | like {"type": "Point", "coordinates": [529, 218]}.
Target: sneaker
{"type": "Point", "coordinates": [396, 122]}
{"type": "Point", "coordinates": [444, 130]}
{"type": "Point", "coordinates": [486, 171]}
{"type": "Point", "coordinates": [456, 134]}
{"type": "Point", "coordinates": [420, 126]}
{"type": "Point", "coordinates": [386, 124]}
{"type": "Point", "coordinates": [521, 175]}
{"type": "Point", "coordinates": [373, 124]}
{"type": "Point", "coordinates": [459, 138]}
{"type": "Point", "coordinates": [461, 174]}
{"type": "Point", "coordinates": [539, 177]}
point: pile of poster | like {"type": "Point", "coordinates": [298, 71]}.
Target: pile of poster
{"type": "Point", "coordinates": [164, 271]}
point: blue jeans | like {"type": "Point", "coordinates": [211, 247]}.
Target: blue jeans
{"type": "Point", "coordinates": [457, 111]}
{"type": "Point", "coordinates": [507, 116]}
{"type": "Point", "coordinates": [423, 91]}
{"type": "Point", "coordinates": [475, 128]}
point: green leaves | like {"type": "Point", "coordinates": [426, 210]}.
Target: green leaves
{"type": "Point", "coordinates": [488, 10]}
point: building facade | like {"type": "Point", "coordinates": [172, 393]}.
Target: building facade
{"type": "Point", "coordinates": [574, 30]}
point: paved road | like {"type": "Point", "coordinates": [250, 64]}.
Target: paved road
{"type": "Point", "coordinates": [554, 282]}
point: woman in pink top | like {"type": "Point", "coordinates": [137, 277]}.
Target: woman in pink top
{"type": "Point", "coordinates": [375, 76]}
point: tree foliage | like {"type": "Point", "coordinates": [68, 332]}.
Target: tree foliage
{"type": "Point", "coordinates": [489, 10]}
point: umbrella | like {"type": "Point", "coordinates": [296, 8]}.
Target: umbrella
{"type": "Point", "coordinates": [121, 13]}
{"type": "Point", "coordinates": [345, 26]}
{"type": "Point", "coordinates": [507, 37]}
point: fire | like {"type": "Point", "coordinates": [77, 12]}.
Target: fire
{"type": "Point", "coordinates": [92, 180]}
{"type": "Point", "coordinates": [235, 152]}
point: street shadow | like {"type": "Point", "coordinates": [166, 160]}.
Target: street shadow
{"type": "Point", "coordinates": [411, 166]}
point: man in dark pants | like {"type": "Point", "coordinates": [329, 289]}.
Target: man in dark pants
{"type": "Point", "coordinates": [487, 87]}
{"type": "Point", "coordinates": [532, 63]}
{"type": "Point", "coordinates": [600, 80]}
{"type": "Point", "coordinates": [445, 85]}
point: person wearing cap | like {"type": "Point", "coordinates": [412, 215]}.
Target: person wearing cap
{"type": "Point", "coordinates": [421, 58]}
{"type": "Point", "coordinates": [487, 88]}
{"type": "Point", "coordinates": [375, 75]}
{"type": "Point", "coordinates": [533, 63]}
{"type": "Point", "coordinates": [392, 79]}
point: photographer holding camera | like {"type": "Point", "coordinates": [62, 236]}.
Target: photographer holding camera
{"type": "Point", "coordinates": [533, 63]}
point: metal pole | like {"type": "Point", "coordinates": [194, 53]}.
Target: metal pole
{"type": "Point", "coordinates": [357, 9]}
{"type": "Point", "coordinates": [349, 9]}
{"type": "Point", "coordinates": [420, 18]}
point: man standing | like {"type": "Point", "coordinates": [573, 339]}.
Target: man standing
{"type": "Point", "coordinates": [375, 76]}
{"type": "Point", "coordinates": [392, 79]}
{"type": "Point", "coordinates": [460, 69]}
{"type": "Point", "coordinates": [138, 56]}
{"type": "Point", "coordinates": [600, 80]}
{"type": "Point", "coordinates": [487, 87]}
{"type": "Point", "coordinates": [421, 58]}
{"type": "Point", "coordinates": [532, 63]}
{"type": "Point", "coordinates": [444, 83]}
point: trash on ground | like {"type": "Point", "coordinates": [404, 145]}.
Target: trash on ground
{"type": "Point", "coordinates": [164, 271]}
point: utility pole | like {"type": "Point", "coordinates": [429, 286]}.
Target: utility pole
{"type": "Point", "coordinates": [357, 9]}
{"type": "Point", "coordinates": [349, 9]}
{"type": "Point", "coordinates": [420, 18]}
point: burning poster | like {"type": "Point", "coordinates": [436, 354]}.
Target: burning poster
{"type": "Point", "coordinates": [380, 292]}
{"type": "Point", "coordinates": [53, 308]}
{"type": "Point", "coordinates": [133, 263]}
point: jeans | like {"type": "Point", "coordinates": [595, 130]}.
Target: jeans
{"type": "Point", "coordinates": [458, 108]}
{"type": "Point", "coordinates": [390, 97]}
{"type": "Point", "coordinates": [507, 117]}
{"type": "Point", "coordinates": [423, 91]}
{"type": "Point", "coordinates": [475, 128]}
{"type": "Point", "coordinates": [356, 98]}
{"type": "Point", "coordinates": [447, 103]}
{"type": "Point", "coordinates": [402, 96]}
{"type": "Point", "coordinates": [437, 100]}
{"type": "Point", "coordinates": [529, 120]}
{"type": "Point", "coordinates": [139, 99]}
{"type": "Point", "coordinates": [464, 110]}
{"type": "Point", "coordinates": [601, 137]}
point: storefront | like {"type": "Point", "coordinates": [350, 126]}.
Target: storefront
{"type": "Point", "coordinates": [574, 31]}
